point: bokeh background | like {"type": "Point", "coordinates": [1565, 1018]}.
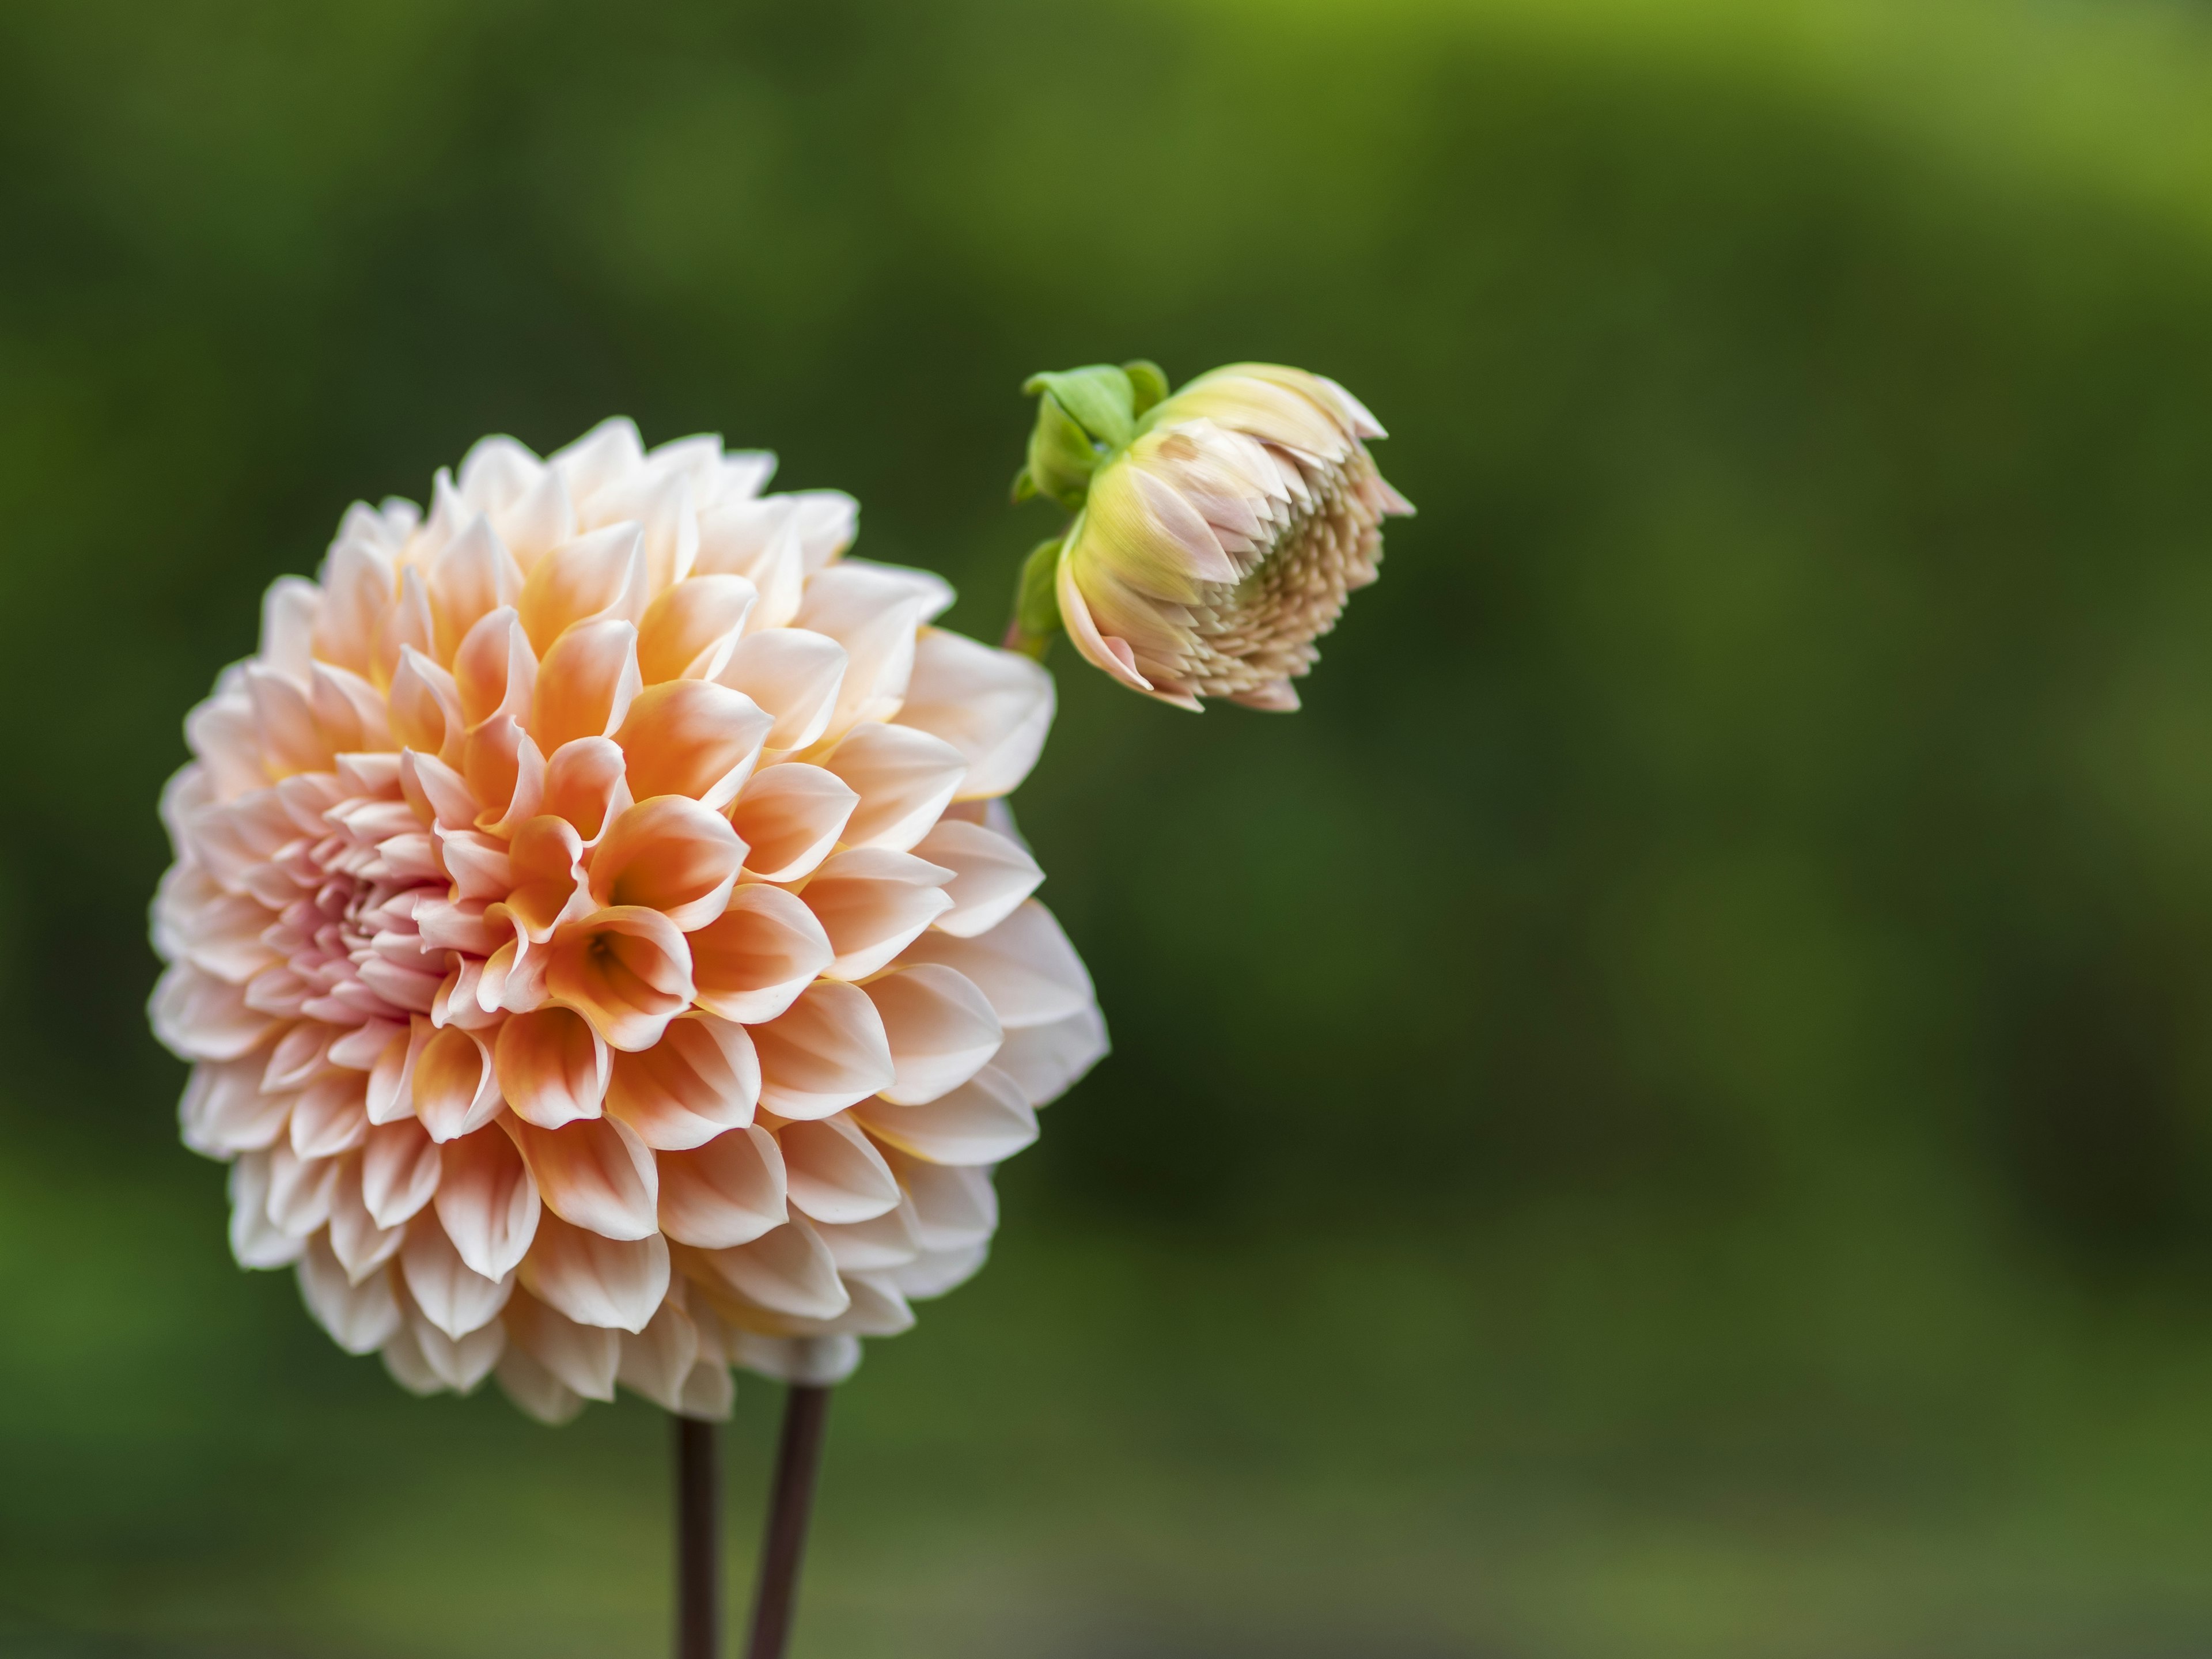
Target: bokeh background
{"type": "Point", "coordinates": [1670, 1113]}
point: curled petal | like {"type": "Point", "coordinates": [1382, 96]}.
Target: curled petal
{"type": "Point", "coordinates": [788, 1270]}
{"type": "Point", "coordinates": [505, 772]}
{"type": "Point", "coordinates": [626, 970]}
{"type": "Point", "coordinates": [594, 1174]}
{"type": "Point", "coordinates": [993, 705]}
{"type": "Point", "coordinates": [991, 874]}
{"type": "Point", "coordinates": [473, 576]}
{"type": "Point", "coordinates": [941, 1029]}
{"type": "Point", "coordinates": [825, 1052]}
{"type": "Point", "coordinates": [954, 1206]}
{"type": "Point", "coordinates": [299, 1190]}
{"type": "Point", "coordinates": [362, 1314]}
{"type": "Point", "coordinates": [545, 863]}
{"type": "Point", "coordinates": [726, 1192]}
{"type": "Point", "coordinates": [753, 960]}
{"type": "Point", "coordinates": [689, 631]}
{"type": "Point", "coordinates": [487, 1201]}
{"type": "Point", "coordinates": [692, 738]}
{"type": "Point", "coordinates": [426, 707]}
{"type": "Point", "coordinates": [224, 1111]}
{"type": "Point", "coordinates": [834, 1173]}
{"type": "Point", "coordinates": [458, 1365]}
{"type": "Point", "coordinates": [701, 1079]}
{"type": "Point", "coordinates": [790, 817]}
{"type": "Point", "coordinates": [656, 1361]}
{"type": "Point", "coordinates": [1048, 1060]}
{"type": "Point", "coordinates": [452, 1295]}
{"type": "Point", "coordinates": [255, 1240]}
{"type": "Point", "coordinates": [330, 1117]}
{"type": "Point", "coordinates": [198, 1017]}
{"type": "Point", "coordinates": [534, 1389]}
{"type": "Point", "coordinates": [671, 854]}
{"type": "Point", "coordinates": [984, 1120]}
{"type": "Point", "coordinates": [582, 1357]}
{"type": "Point", "coordinates": [440, 796]}
{"type": "Point", "coordinates": [583, 784]}
{"type": "Point", "coordinates": [552, 1067]}
{"type": "Point", "coordinates": [399, 1167]}
{"type": "Point", "coordinates": [793, 674]}
{"type": "Point", "coordinates": [873, 1245]}
{"type": "Point", "coordinates": [1024, 965]}
{"type": "Point", "coordinates": [904, 778]}
{"type": "Point", "coordinates": [585, 683]}
{"type": "Point", "coordinates": [595, 577]}
{"type": "Point", "coordinates": [873, 614]}
{"type": "Point", "coordinates": [614, 1284]}
{"type": "Point", "coordinates": [456, 1091]}
{"type": "Point", "coordinates": [873, 903]}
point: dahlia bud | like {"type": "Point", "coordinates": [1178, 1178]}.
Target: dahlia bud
{"type": "Point", "coordinates": [1218, 533]}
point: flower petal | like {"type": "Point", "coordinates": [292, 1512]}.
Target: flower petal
{"type": "Point", "coordinates": [873, 903]}
{"type": "Point", "coordinates": [726, 1192]}
{"type": "Point", "coordinates": [596, 576]}
{"type": "Point", "coordinates": [689, 631]}
{"type": "Point", "coordinates": [701, 1079]}
{"type": "Point", "coordinates": [583, 784]}
{"type": "Point", "coordinates": [399, 1168]}
{"type": "Point", "coordinates": [692, 738]}
{"type": "Point", "coordinates": [594, 1174]}
{"type": "Point", "coordinates": [983, 1120]}
{"type": "Point", "coordinates": [904, 778]}
{"type": "Point", "coordinates": [627, 969]}
{"type": "Point", "coordinates": [834, 1173]}
{"type": "Point", "coordinates": [456, 1091]}
{"type": "Point", "coordinates": [614, 1284]}
{"type": "Point", "coordinates": [552, 1066]}
{"type": "Point", "coordinates": [941, 1029]}
{"type": "Point", "coordinates": [487, 1201]}
{"type": "Point", "coordinates": [448, 1292]}
{"type": "Point", "coordinates": [360, 1317]}
{"type": "Point", "coordinates": [789, 817]}
{"type": "Point", "coordinates": [582, 1357]}
{"type": "Point", "coordinates": [1024, 965]}
{"type": "Point", "coordinates": [793, 674]}
{"type": "Point", "coordinates": [825, 1052]}
{"type": "Point", "coordinates": [753, 960]}
{"type": "Point", "coordinates": [991, 874]}
{"type": "Point", "coordinates": [993, 705]}
{"type": "Point", "coordinates": [585, 683]}
{"type": "Point", "coordinates": [788, 1270]}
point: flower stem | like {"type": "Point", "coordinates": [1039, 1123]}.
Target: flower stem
{"type": "Point", "coordinates": [797, 1461]}
{"type": "Point", "coordinates": [698, 1541]}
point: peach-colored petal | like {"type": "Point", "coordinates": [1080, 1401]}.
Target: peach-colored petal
{"type": "Point", "coordinates": [596, 576]}
{"type": "Point", "coordinates": [487, 1201]}
{"type": "Point", "coordinates": [993, 705]}
{"type": "Point", "coordinates": [904, 778]}
{"type": "Point", "coordinates": [545, 862]}
{"type": "Point", "coordinates": [788, 1270]}
{"type": "Point", "coordinates": [438, 1361]}
{"type": "Point", "coordinates": [627, 969]}
{"type": "Point", "coordinates": [670, 855]}
{"type": "Point", "coordinates": [822, 1054]}
{"type": "Point", "coordinates": [426, 707]}
{"type": "Point", "coordinates": [983, 1120]}
{"type": "Point", "coordinates": [583, 784]}
{"type": "Point", "coordinates": [752, 961]}
{"type": "Point", "coordinates": [224, 1111]}
{"type": "Point", "coordinates": [299, 1190]}
{"type": "Point", "coordinates": [795, 676]}
{"type": "Point", "coordinates": [873, 1244]}
{"type": "Point", "coordinates": [1048, 1060]}
{"type": "Point", "coordinates": [330, 1115]}
{"type": "Point", "coordinates": [399, 1168]}
{"type": "Point", "coordinates": [691, 738]}
{"type": "Point", "coordinates": [594, 1174]}
{"type": "Point", "coordinates": [614, 1284]}
{"type": "Point", "coordinates": [656, 1361]}
{"type": "Point", "coordinates": [873, 615]}
{"type": "Point", "coordinates": [940, 1026]}
{"type": "Point", "coordinates": [954, 1205]}
{"type": "Point", "coordinates": [1114, 655]}
{"type": "Point", "coordinates": [255, 1240]}
{"type": "Point", "coordinates": [701, 1080]}
{"type": "Point", "coordinates": [440, 794]}
{"type": "Point", "coordinates": [452, 1295]}
{"type": "Point", "coordinates": [834, 1173]}
{"type": "Point", "coordinates": [790, 817]}
{"type": "Point", "coordinates": [1024, 965]}
{"type": "Point", "coordinates": [455, 1090]}
{"type": "Point", "coordinates": [690, 630]}
{"type": "Point", "coordinates": [495, 669]}
{"type": "Point", "coordinates": [361, 1244]}
{"type": "Point", "coordinates": [217, 932]}
{"type": "Point", "coordinates": [391, 1080]}
{"type": "Point", "coordinates": [582, 1357]}
{"type": "Point", "coordinates": [552, 1066]}
{"type": "Point", "coordinates": [199, 1016]}
{"type": "Point", "coordinates": [991, 874]}
{"type": "Point", "coordinates": [871, 903]}
{"type": "Point", "coordinates": [533, 1389]}
{"type": "Point", "coordinates": [935, 1272]}
{"type": "Point", "coordinates": [585, 683]}
{"type": "Point", "coordinates": [291, 741]}
{"type": "Point", "coordinates": [505, 772]}
{"type": "Point", "coordinates": [473, 576]}
{"type": "Point", "coordinates": [349, 711]}
{"type": "Point", "coordinates": [726, 1192]}
{"type": "Point", "coordinates": [361, 1316]}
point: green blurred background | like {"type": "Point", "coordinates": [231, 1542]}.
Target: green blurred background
{"type": "Point", "coordinates": [1670, 1113]}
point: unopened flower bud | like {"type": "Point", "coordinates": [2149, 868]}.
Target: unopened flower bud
{"type": "Point", "coordinates": [1221, 537]}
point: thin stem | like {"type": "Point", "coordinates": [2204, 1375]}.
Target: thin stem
{"type": "Point", "coordinates": [698, 1542]}
{"type": "Point", "coordinates": [797, 1461]}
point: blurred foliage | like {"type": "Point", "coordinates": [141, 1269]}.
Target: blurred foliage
{"type": "Point", "coordinates": [1665, 1113]}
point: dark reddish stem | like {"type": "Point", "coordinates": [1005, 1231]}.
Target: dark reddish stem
{"type": "Point", "coordinates": [698, 1542]}
{"type": "Point", "coordinates": [798, 1462]}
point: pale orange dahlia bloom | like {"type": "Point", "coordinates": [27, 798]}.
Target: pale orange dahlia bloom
{"type": "Point", "coordinates": [601, 946]}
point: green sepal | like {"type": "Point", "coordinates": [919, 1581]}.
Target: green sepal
{"type": "Point", "coordinates": [1036, 601]}
{"type": "Point", "coordinates": [1062, 455]}
{"type": "Point", "coordinates": [1148, 384]}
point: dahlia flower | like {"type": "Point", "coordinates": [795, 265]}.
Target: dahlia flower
{"type": "Point", "coordinates": [1218, 531]}
{"type": "Point", "coordinates": [602, 948]}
